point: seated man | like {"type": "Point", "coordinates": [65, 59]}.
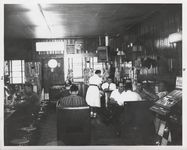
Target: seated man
{"type": "Point", "coordinates": [114, 106]}
{"type": "Point", "coordinates": [138, 118]}
{"type": "Point", "coordinates": [73, 125]}
{"type": "Point", "coordinates": [73, 100]}
{"type": "Point", "coordinates": [116, 96]}
{"type": "Point", "coordinates": [130, 95]}
{"type": "Point", "coordinates": [29, 106]}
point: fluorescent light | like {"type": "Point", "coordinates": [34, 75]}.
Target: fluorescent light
{"type": "Point", "coordinates": [175, 37]}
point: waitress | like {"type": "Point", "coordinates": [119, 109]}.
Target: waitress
{"type": "Point", "coordinates": [93, 93]}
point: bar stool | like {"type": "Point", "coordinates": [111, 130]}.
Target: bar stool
{"type": "Point", "coordinates": [40, 113]}
{"type": "Point", "coordinates": [29, 131]}
{"type": "Point", "coordinates": [44, 102]}
{"type": "Point", "coordinates": [43, 105]}
{"type": "Point", "coordinates": [20, 142]}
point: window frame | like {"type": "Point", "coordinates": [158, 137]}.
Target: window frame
{"type": "Point", "coordinates": [21, 69]}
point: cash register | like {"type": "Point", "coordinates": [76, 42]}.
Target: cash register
{"type": "Point", "coordinates": [169, 102]}
{"type": "Point", "coordinates": [168, 119]}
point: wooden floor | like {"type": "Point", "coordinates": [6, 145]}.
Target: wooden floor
{"type": "Point", "coordinates": [102, 133]}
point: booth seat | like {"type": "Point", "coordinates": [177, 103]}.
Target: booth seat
{"type": "Point", "coordinates": [73, 125]}
{"type": "Point", "coordinates": [137, 122]}
{"type": "Point", "coordinates": [138, 113]}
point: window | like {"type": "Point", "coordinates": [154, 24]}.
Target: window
{"type": "Point", "coordinates": [17, 71]}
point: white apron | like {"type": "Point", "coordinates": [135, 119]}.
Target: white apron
{"type": "Point", "coordinates": [93, 95]}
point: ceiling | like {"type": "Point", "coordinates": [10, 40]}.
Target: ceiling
{"type": "Point", "coordinates": [72, 20]}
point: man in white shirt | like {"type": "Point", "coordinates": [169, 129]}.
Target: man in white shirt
{"type": "Point", "coordinates": [117, 95]}
{"type": "Point", "coordinates": [129, 95]}
{"type": "Point", "coordinates": [115, 106]}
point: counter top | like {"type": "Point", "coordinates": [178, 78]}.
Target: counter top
{"type": "Point", "coordinates": [8, 114]}
{"type": "Point", "coordinates": [148, 95]}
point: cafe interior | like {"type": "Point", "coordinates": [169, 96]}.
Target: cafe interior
{"type": "Point", "coordinates": [55, 45]}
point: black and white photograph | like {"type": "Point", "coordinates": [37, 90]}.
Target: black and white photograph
{"type": "Point", "coordinates": [90, 75]}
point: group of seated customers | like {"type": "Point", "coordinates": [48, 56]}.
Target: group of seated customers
{"type": "Point", "coordinates": [119, 94]}
{"type": "Point", "coordinates": [124, 93]}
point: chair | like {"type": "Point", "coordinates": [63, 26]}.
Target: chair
{"type": "Point", "coordinates": [138, 121]}
{"type": "Point", "coordinates": [138, 112]}
{"type": "Point", "coordinates": [73, 125]}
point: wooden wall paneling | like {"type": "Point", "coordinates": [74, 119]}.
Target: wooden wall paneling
{"type": "Point", "coordinates": [91, 45]}
{"type": "Point", "coordinates": [179, 66]}
{"type": "Point", "coordinates": [50, 77]}
{"type": "Point", "coordinates": [156, 29]}
{"type": "Point", "coordinates": [17, 49]}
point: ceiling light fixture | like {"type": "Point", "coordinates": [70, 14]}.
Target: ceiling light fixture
{"type": "Point", "coordinates": [175, 37]}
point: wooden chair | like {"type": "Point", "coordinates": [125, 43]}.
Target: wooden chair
{"type": "Point", "coordinates": [73, 125]}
